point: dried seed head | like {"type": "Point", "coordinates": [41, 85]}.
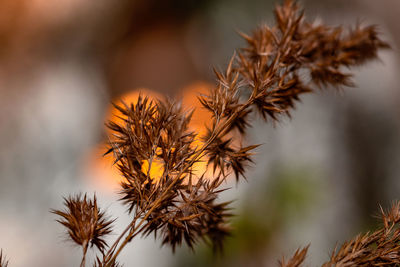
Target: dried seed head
{"type": "Point", "coordinates": [275, 58]}
{"type": "Point", "coordinates": [279, 64]}
{"type": "Point", "coordinates": [195, 215]}
{"type": "Point", "coordinates": [151, 146]}
{"type": "Point", "coordinates": [297, 259]}
{"type": "Point", "coordinates": [85, 223]}
{"type": "Point", "coordinates": [392, 216]}
{"type": "Point", "coordinates": [379, 248]}
{"type": "Point", "coordinates": [3, 260]}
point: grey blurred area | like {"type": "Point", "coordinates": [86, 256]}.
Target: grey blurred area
{"type": "Point", "coordinates": [319, 176]}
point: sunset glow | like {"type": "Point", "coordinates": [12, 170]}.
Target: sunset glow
{"type": "Point", "coordinates": [101, 169]}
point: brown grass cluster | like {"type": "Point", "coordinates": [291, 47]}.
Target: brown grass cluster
{"type": "Point", "coordinates": [267, 76]}
{"type": "Point", "coordinates": [86, 224]}
{"type": "Point", "coordinates": [378, 248]}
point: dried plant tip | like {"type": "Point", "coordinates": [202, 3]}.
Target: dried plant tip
{"type": "Point", "coordinates": [297, 260]}
{"type": "Point", "coordinates": [275, 58]}
{"type": "Point", "coordinates": [392, 216]}
{"type": "Point", "coordinates": [84, 221]}
{"type": "Point", "coordinates": [379, 248]}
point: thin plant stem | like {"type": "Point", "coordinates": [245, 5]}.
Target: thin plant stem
{"type": "Point", "coordinates": [85, 247]}
{"type": "Point", "coordinates": [115, 244]}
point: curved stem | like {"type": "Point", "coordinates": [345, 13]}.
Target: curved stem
{"type": "Point", "coordinates": [127, 239]}
{"type": "Point", "coordinates": [115, 244]}
{"type": "Point", "coordinates": [83, 262]}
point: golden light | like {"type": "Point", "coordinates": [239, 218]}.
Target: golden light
{"type": "Point", "coordinates": [101, 169]}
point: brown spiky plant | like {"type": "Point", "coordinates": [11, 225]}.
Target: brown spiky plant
{"type": "Point", "coordinates": [377, 248]}
{"type": "Point", "coordinates": [267, 76]}
{"type": "Point", "coordinates": [86, 224]}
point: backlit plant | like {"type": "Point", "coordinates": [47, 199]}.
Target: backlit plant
{"type": "Point", "coordinates": [179, 205]}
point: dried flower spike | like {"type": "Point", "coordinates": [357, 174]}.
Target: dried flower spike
{"type": "Point", "coordinates": [279, 64]}
{"type": "Point", "coordinates": [296, 260]}
{"type": "Point", "coordinates": [376, 248]}
{"type": "Point", "coordinates": [379, 248]}
{"type": "Point", "coordinates": [85, 223]}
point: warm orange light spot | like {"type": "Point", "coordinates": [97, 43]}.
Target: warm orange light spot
{"type": "Point", "coordinates": [201, 117]}
{"type": "Point", "coordinates": [108, 177]}
{"type": "Point", "coordinates": [156, 169]}
{"type": "Point", "coordinates": [101, 171]}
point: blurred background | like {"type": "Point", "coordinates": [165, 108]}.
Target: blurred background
{"type": "Point", "coordinates": [318, 179]}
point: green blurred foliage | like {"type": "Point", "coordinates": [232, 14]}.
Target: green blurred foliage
{"type": "Point", "coordinates": [286, 196]}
